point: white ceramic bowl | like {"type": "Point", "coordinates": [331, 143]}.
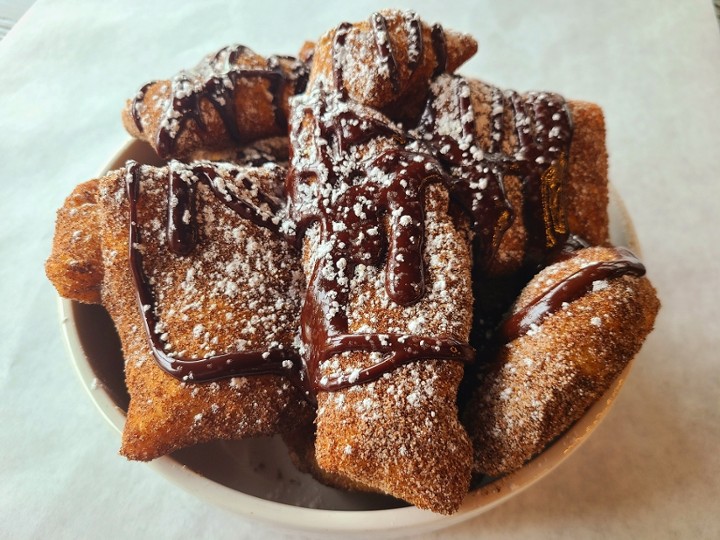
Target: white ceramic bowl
{"type": "Point", "coordinates": [255, 478]}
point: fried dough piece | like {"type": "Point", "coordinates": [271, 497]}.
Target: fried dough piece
{"type": "Point", "coordinates": [399, 434]}
{"type": "Point", "coordinates": [585, 191]}
{"type": "Point", "coordinates": [476, 126]}
{"type": "Point", "coordinates": [230, 97]}
{"type": "Point", "coordinates": [387, 61]}
{"type": "Point", "coordinates": [75, 265]}
{"type": "Point", "coordinates": [547, 378]}
{"type": "Point", "coordinates": [238, 289]}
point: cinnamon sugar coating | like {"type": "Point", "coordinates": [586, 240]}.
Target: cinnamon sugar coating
{"type": "Point", "coordinates": [545, 380]}
{"type": "Point", "coordinates": [300, 443]}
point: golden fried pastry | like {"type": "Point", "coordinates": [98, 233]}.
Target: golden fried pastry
{"type": "Point", "coordinates": [220, 290]}
{"type": "Point", "coordinates": [75, 265]}
{"type": "Point", "coordinates": [572, 330]}
{"type": "Point", "coordinates": [387, 62]}
{"type": "Point", "coordinates": [541, 161]}
{"type": "Point", "coordinates": [384, 334]}
{"type": "Point", "coordinates": [232, 97]}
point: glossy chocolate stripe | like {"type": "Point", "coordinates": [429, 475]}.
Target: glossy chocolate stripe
{"type": "Point", "coordinates": [567, 290]}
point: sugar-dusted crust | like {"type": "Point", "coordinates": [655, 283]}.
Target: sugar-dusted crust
{"type": "Point", "coordinates": [75, 264]}
{"type": "Point", "coordinates": [367, 78]}
{"type": "Point", "coordinates": [238, 290]}
{"type": "Point", "coordinates": [545, 380]}
{"type": "Point", "coordinates": [586, 187]}
{"type": "Point", "coordinates": [257, 87]}
{"type": "Point", "coordinates": [401, 434]}
{"type": "Point", "coordinates": [300, 443]}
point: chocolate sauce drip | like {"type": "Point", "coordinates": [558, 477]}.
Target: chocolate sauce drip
{"type": "Point", "coordinates": [214, 81]}
{"type": "Point", "coordinates": [338, 48]}
{"type": "Point", "coordinates": [182, 229]}
{"type": "Point", "coordinates": [573, 243]}
{"type": "Point", "coordinates": [567, 290]}
{"type": "Point", "coordinates": [182, 238]}
{"type": "Point", "coordinates": [135, 108]}
{"type": "Point", "coordinates": [542, 168]}
{"type": "Point", "coordinates": [398, 350]}
{"type": "Point", "coordinates": [388, 63]}
{"type": "Point", "coordinates": [439, 43]}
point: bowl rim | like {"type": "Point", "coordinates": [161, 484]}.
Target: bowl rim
{"type": "Point", "coordinates": [290, 517]}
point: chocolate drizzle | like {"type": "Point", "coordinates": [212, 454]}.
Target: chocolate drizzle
{"type": "Point", "coordinates": [398, 350]}
{"type": "Point", "coordinates": [338, 57]}
{"type": "Point", "coordinates": [543, 132]}
{"type": "Point", "coordinates": [386, 57]}
{"type": "Point", "coordinates": [416, 51]}
{"type": "Point", "coordinates": [439, 43]}
{"type": "Point", "coordinates": [567, 290]}
{"type": "Point", "coordinates": [135, 108]}
{"type": "Point", "coordinates": [388, 62]}
{"type": "Point", "coordinates": [182, 236]}
{"type": "Point", "coordinates": [358, 181]}
{"type": "Point", "coordinates": [214, 81]}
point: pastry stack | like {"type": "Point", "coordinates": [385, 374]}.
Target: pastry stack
{"type": "Point", "coordinates": [403, 271]}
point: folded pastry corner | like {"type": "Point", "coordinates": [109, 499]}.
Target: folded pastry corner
{"type": "Point", "coordinates": [75, 265]}
{"type": "Point", "coordinates": [587, 184]}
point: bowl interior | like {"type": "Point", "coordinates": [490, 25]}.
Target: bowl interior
{"type": "Point", "coordinates": [255, 477]}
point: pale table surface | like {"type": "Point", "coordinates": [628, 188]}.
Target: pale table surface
{"type": "Point", "coordinates": [652, 468]}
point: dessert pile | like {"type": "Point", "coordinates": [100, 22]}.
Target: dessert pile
{"type": "Point", "coordinates": [403, 271]}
